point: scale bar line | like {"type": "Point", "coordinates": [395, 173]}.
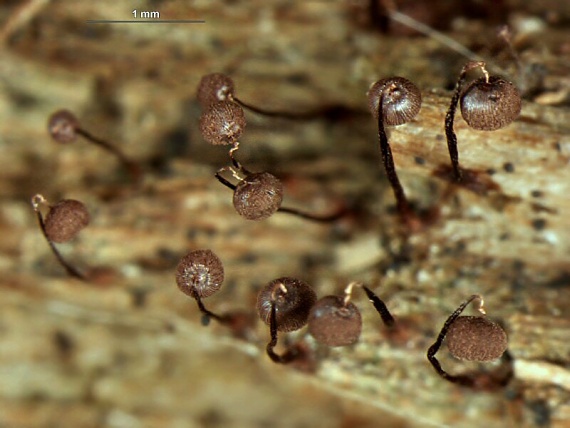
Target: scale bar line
{"type": "Point", "coordinates": [138, 21]}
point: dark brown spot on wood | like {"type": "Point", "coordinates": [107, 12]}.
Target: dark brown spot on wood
{"type": "Point", "coordinates": [539, 224]}
{"type": "Point", "coordinates": [476, 181]}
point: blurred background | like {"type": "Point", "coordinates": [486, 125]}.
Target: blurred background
{"type": "Point", "coordinates": [127, 349]}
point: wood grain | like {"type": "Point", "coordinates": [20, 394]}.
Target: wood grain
{"type": "Point", "coordinates": [129, 350]}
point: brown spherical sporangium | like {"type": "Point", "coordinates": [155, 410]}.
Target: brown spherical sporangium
{"type": "Point", "coordinates": [65, 220]}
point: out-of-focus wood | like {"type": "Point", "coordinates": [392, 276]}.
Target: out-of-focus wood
{"type": "Point", "coordinates": [129, 350]}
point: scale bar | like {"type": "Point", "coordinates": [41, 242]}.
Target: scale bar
{"type": "Point", "coordinates": [138, 21]}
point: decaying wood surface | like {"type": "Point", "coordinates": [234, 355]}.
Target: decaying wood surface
{"type": "Point", "coordinates": [128, 349]}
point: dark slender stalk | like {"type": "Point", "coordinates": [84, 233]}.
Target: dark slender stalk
{"type": "Point", "coordinates": [401, 201]}
{"type": "Point", "coordinates": [134, 169]}
{"type": "Point", "coordinates": [380, 307]}
{"type": "Point", "coordinates": [290, 354]}
{"type": "Point", "coordinates": [312, 217]}
{"type": "Point", "coordinates": [464, 380]}
{"type": "Point", "coordinates": [330, 112]}
{"type": "Point", "coordinates": [450, 118]}
{"type": "Point", "coordinates": [225, 182]}
{"type": "Point", "coordinates": [70, 269]}
{"type": "Point", "coordinates": [450, 133]}
{"type": "Point", "coordinates": [208, 314]}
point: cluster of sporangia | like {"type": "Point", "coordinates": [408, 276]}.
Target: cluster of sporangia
{"type": "Point", "coordinates": [68, 217]}
{"type": "Point", "coordinates": [487, 103]}
{"type": "Point", "coordinates": [257, 195]}
{"type": "Point", "coordinates": [287, 304]}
